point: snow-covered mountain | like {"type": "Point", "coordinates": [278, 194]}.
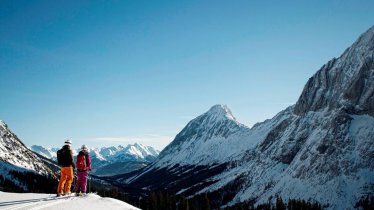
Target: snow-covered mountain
{"type": "Point", "coordinates": [319, 149]}
{"type": "Point", "coordinates": [17, 161]}
{"type": "Point", "coordinates": [204, 139]}
{"type": "Point", "coordinates": [111, 160]}
{"type": "Point", "coordinates": [47, 152]}
{"type": "Point", "coordinates": [136, 152]}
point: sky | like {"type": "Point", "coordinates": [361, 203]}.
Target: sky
{"type": "Point", "coordinates": [105, 73]}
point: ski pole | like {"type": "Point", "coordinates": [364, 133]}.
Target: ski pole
{"type": "Point", "coordinates": [89, 184]}
{"type": "Point", "coordinates": [74, 180]}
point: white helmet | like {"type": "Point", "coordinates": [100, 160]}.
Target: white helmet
{"type": "Point", "coordinates": [67, 142]}
{"type": "Point", "coordinates": [84, 147]}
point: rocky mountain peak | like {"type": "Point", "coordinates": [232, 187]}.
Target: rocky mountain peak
{"type": "Point", "coordinates": [344, 83]}
{"type": "Point", "coordinates": [366, 40]}
{"type": "Point", "coordinates": [3, 125]}
{"type": "Point", "coordinates": [221, 111]}
{"type": "Point", "coordinates": [217, 123]}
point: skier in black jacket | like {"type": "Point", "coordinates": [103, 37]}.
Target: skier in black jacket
{"type": "Point", "coordinates": [66, 161]}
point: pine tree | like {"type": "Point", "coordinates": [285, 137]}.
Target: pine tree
{"type": "Point", "coordinates": [184, 204]}
{"type": "Point", "coordinates": [279, 205]}
{"type": "Point", "coordinates": [205, 203]}
{"type": "Point", "coordinates": [161, 201]}
{"type": "Point", "coordinates": [153, 201]}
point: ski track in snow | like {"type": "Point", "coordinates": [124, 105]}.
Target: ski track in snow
{"type": "Point", "coordinates": [33, 201]}
{"type": "Point", "coordinates": [39, 204]}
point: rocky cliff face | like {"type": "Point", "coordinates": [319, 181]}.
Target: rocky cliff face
{"type": "Point", "coordinates": [346, 82]}
{"type": "Point", "coordinates": [319, 149]}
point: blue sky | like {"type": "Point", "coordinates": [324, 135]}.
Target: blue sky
{"type": "Point", "coordinates": [118, 72]}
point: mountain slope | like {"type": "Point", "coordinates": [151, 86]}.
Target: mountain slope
{"type": "Point", "coordinates": [319, 149]}
{"type": "Point", "coordinates": [346, 82]}
{"type": "Point", "coordinates": [14, 152]}
{"type": "Point", "coordinates": [202, 139]}
{"type": "Point", "coordinates": [18, 164]}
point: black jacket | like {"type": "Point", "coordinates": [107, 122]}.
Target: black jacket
{"type": "Point", "coordinates": [67, 157]}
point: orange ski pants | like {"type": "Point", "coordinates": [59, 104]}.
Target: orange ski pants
{"type": "Point", "coordinates": [66, 179]}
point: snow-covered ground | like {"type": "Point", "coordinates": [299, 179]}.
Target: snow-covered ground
{"type": "Point", "coordinates": [33, 201]}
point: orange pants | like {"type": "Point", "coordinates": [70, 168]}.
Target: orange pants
{"type": "Point", "coordinates": [65, 180]}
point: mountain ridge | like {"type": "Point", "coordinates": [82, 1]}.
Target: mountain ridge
{"type": "Point", "coordinates": [317, 149]}
{"type": "Point", "coordinates": [351, 71]}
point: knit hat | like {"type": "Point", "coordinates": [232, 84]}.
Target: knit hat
{"type": "Point", "coordinates": [84, 147]}
{"type": "Point", "coordinates": [67, 142]}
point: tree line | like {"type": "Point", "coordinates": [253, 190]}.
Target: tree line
{"type": "Point", "coordinates": [366, 202]}
{"type": "Point", "coordinates": [158, 200]}
{"type": "Point", "coordinates": [28, 182]}
{"type": "Point", "coordinates": [167, 201]}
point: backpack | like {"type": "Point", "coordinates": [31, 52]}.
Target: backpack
{"type": "Point", "coordinates": [64, 157]}
{"type": "Point", "coordinates": [60, 156]}
{"type": "Point", "coordinates": [81, 162]}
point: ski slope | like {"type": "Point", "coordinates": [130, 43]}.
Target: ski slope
{"type": "Point", "coordinates": [33, 201]}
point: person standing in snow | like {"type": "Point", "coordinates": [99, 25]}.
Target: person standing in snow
{"type": "Point", "coordinates": [83, 164]}
{"type": "Point", "coordinates": [65, 160]}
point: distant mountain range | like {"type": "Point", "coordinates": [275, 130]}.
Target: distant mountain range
{"type": "Point", "coordinates": [320, 149]}
{"type": "Point", "coordinates": [110, 160]}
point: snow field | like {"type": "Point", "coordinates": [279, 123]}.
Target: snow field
{"type": "Point", "coordinates": [34, 201]}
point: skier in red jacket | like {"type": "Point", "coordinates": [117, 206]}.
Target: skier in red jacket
{"type": "Point", "coordinates": [83, 166]}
